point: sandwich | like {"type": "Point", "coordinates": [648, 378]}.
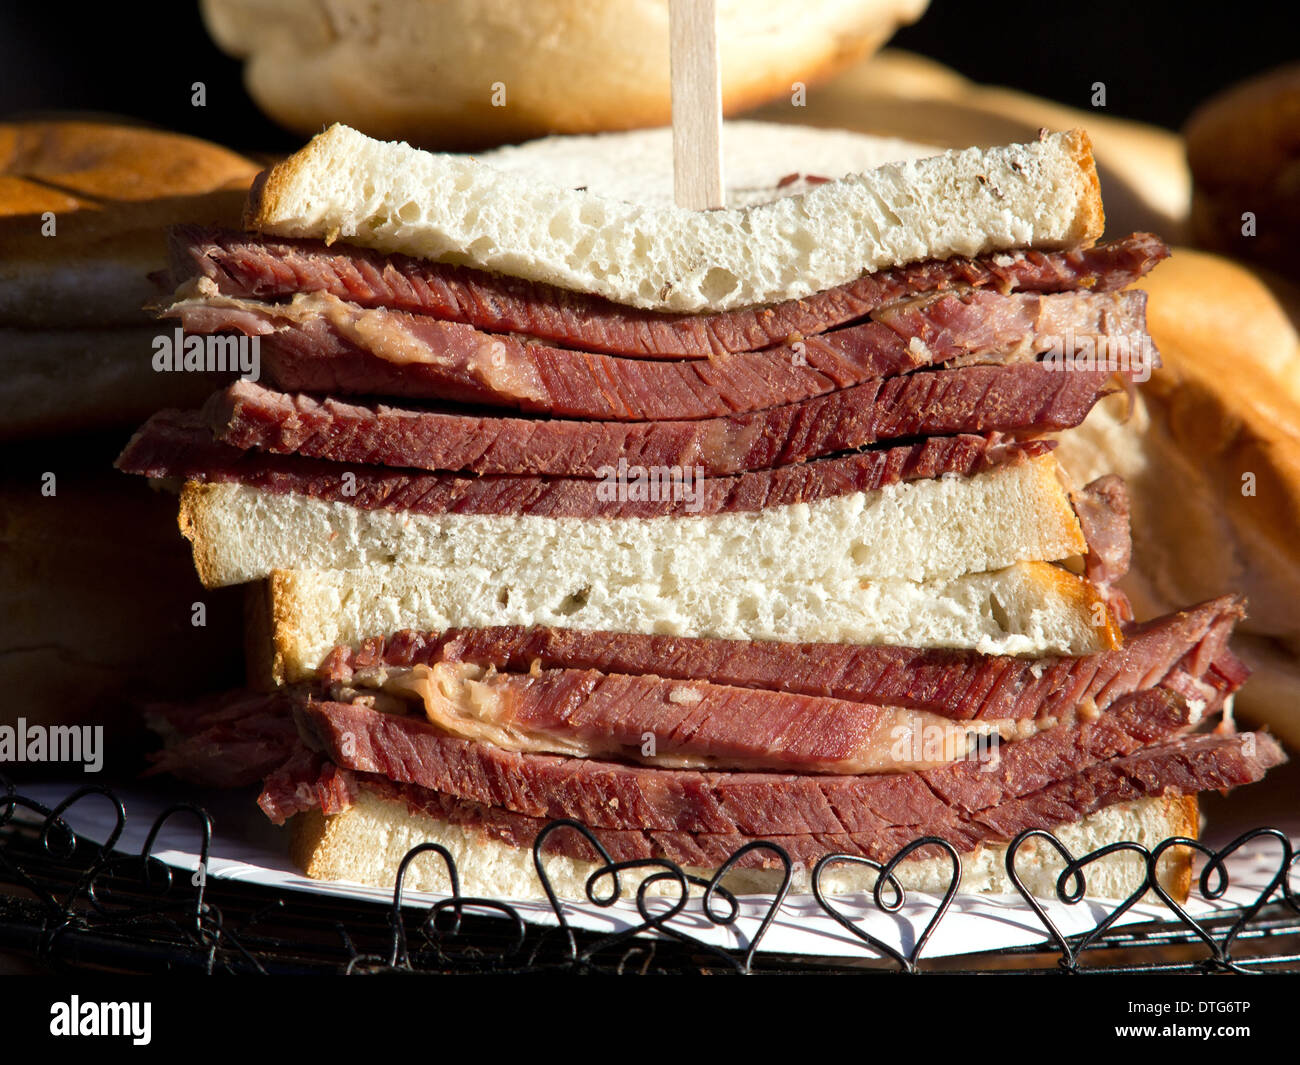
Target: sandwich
{"type": "Point", "coordinates": [695, 529]}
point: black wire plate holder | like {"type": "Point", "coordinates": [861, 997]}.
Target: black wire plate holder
{"type": "Point", "coordinates": [73, 890]}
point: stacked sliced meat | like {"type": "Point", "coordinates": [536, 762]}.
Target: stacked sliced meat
{"type": "Point", "coordinates": [928, 350]}
{"type": "Point", "coordinates": [404, 718]}
{"type": "Point", "coordinates": [387, 387]}
{"type": "Point", "coordinates": [397, 384]}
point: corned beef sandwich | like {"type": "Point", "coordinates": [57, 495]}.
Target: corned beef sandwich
{"type": "Point", "coordinates": [556, 501]}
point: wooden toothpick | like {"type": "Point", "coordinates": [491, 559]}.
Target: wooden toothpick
{"type": "Point", "coordinates": [697, 105]}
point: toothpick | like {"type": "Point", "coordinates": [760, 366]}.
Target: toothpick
{"type": "Point", "coordinates": [697, 105]}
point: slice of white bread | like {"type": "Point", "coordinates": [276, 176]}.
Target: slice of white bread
{"type": "Point", "coordinates": [366, 844]}
{"type": "Point", "coordinates": [895, 93]}
{"type": "Point", "coordinates": [453, 208]}
{"type": "Point", "coordinates": [1035, 608]}
{"type": "Point", "coordinates": [756, 158]}
{"type": "Point", "coordinates": [939, 527]}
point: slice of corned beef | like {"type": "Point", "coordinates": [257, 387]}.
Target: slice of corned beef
{"type": "Point", "coordinates": [177, 445]}
{"type": "Point", "coordinates": [270, 268]}
{"type": "Point", "coordinates": [614, 795]}
{"type": "Point", "coordinates": [1183, 767]}
{"type": "Point", "coordinates": [320, 344]}
{"type": "Point", "coordinates": [977, 399]}
{"type": "Point", "coordinates": [963, 685]}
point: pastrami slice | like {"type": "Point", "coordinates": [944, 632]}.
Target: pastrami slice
{"type": "Point", "coordinates": [962, 685]}
{"type": "Point", "coordinates": [176, 445]}
{"type": "Point", "coordinates": [1026, 398]}
{"type": "Point", "coordinates": [614, 795]}
{"type": "Point", "coordinates": [245, 265]}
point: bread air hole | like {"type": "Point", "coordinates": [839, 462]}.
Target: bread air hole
{"type": "Point", "coordinates": [559, 228]}
{"type": "Point", "coordinates": [573, 602]}
{"type": "Point", "coordinates": [1000, 613]}
{"type": "Point", "coordinates": [718, 283]}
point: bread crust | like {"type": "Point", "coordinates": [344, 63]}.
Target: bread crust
{"type": "Point", "coordinates": [309, 842]}
{"type": "Point", "coordinates": [1085, 600]}
{"type": "Point", "coordinates": [189, 520]}
{"type": "Point", "coordinates": [268, 193]}
{"type": "Point", "coordinates": [1175, 870]}
{"type": "Point", "coordinates": [1091, 220]}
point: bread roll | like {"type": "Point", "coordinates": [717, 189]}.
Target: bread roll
{"type": "Point", "coordinates": [112, 189]}
{"type": "Point", "coordinates": [84, 206]}
{"type": "Point", "coordinates": [98, 594]}
{"type": "Point", "coordinates": [470, 73]}
{"type": "Point", "coordinates": [1245, 157]}
{"type": "Point", "coordinates": [74, 380]}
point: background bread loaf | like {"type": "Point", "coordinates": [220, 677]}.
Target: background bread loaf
{"type": "Point", "coordinates": [465, 73]}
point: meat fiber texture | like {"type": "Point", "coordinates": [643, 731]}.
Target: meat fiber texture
{"type": "Point", "coordinates": [1143, 736]}
{"type": "Point", "coordinates": [246, 266]}
{"type": "Point", "coordinates": [791, 705]}
{"type": "Point", "coordinates": [177, 445]}
{"type": "Point", "coordinates": [978, 399]}
{"type": "Point", "coordinates": [961, 685]}
{"type": "Point", "coordinates": [318, 343]}
{"type": "Point", "coordinates": [1182, 767]}
{"type": "Point", "coordinates": [1002, 309]}
{"type": "Point", "coordinates": [1138, 749]}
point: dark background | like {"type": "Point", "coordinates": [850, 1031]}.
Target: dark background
{"type": "Point", "coordinates": [1158, 60]}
